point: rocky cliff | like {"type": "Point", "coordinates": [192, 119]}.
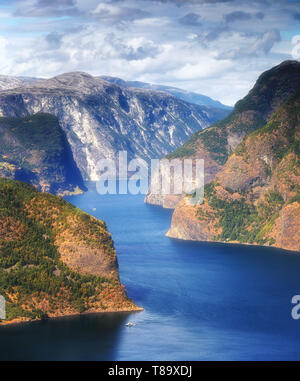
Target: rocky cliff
{"type": "Point", "coordinates": [100, 118]}
{"type": "Point", "coordinates": [55, 260]}
{"type": "Point", "coordinates": [255, 198]}
{"type": "Point", "coordinates": [216, 143]}
{"type": "Point", "coordinates": [185, 95]}
{"type": "Point", "coordinates": [35, 149]}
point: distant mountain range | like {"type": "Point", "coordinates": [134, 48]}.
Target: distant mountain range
{"type": "Point", "coordinates": [98, 119]}
{"type": "Point", "coordinates": [188, 96]}
{"type": "Point", "coordinates": [10, 82]}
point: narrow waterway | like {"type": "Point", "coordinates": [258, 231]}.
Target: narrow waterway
{"type": "Point", "coordinates": [202, 301]}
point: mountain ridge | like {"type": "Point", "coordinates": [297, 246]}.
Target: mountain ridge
{"type": "Point", "coordinates": [100, 118]}
{"type": "Point", "coordinates": [188, 96]}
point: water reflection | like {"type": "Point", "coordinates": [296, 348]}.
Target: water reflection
{"type": "Point", "coordinates": [85, 337]}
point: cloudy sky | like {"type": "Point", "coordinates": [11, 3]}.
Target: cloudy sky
{"type": "Point", "coordinates": [214, 47]}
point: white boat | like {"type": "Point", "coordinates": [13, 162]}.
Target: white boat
{"type": "Point", "coordinates": [130, 324]}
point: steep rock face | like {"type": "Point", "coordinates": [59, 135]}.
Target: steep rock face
{"type": "Point", "coordinates": [287, 227]}
{"type": "Point", "coordinates": [166, 201]}
{"type": "Point", "coordinates": [55, 260]}
{"type": "Point", "coordinates": [187, 226]}
{"type": "Point", "coordinates": [100, 118]}
{"type": "Point", "coordinates": [216, 143]}
{"type": "Point", "coordinates": [256, 196]}
{"type": "Point", "coordinates": [35, 149]}
{"type": "Point", "coordinates": [185, 95]}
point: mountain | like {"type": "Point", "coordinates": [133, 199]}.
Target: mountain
{"type": "Point", "coordinates": [35, 149]}
{"type": "Point", "coordinates": [255, 198]}
{"type": "Point", "coordinates": [216, 143]}
{"type": "Point", "coordinates": [100, 118]}
{"type": "Point", "coordinates": [55, 260]}
{"type": "Point", "coordinates": [185, 95]}
{"type": "Point", "coordinates": [9, 82]}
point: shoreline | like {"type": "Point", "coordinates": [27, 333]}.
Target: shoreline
{"type": "Point", "coordinates": [236, 243]}
{"type": "Point", "coordinates": [18, 321]}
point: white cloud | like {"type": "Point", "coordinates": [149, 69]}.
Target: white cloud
{"type": "Point", "coordinates": [206, 68]}
{"type": "Point", "coordinates": [144, 40]}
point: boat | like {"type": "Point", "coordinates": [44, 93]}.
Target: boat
{"type": "Point", "coordinates": [130, 324]}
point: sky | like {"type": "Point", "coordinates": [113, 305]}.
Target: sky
{"type": "Point", "coordinates": [214, 47]}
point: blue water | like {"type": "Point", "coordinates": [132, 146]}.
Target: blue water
{"type": "Point", "coordinates": [202, 301]}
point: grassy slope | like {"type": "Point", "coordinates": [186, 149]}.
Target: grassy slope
{"type": "Point", "coordinates": [34, 279]}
